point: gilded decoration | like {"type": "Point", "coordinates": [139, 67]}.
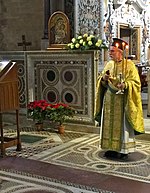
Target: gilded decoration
{"type": "Point", "coordinates": [114, 123]}
{"type": "Point", "coordinates": [58, 30]}
{"type": "Point", "coordinates": [132, 15]}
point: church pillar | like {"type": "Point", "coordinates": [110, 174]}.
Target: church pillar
{"type": "Point", "coordinates": [85, 22]}
{"type": "Point", "coordinates": [57, 5]}
{"type": "Point", "coordinates": [46, 17]}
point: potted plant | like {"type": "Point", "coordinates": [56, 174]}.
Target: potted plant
{"type": "Point", "coordinates": [37, 110]}
{"type": "Point", "coordinates": [58, 113]}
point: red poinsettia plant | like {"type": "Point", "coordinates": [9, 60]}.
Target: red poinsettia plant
{"type": "Point", "coordinates": [37, 110]}
{"type": "Point", "coordinates": [59, 112]}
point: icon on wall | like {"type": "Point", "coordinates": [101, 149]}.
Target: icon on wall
{"type": "Point", "coordinates": [58, 30]}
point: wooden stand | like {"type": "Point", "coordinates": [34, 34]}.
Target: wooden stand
{"type": "Point", "coordinates": [9, 101]}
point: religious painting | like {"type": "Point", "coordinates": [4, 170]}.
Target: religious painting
{"type": "Point", "coordinates": [58, 30]}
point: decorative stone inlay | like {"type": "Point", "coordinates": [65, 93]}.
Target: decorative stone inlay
{"type": "Point", "coordinates": [85, 153]}
{"type": "Point", "coordinates": [64, 76]}
{"type": "Point", "coordinates": [15, 181]}
{"type": "Point", "coordinates": [101, 166]}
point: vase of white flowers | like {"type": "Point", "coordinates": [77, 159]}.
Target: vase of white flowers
{"type": "Point", "coordinates": [86, 42]}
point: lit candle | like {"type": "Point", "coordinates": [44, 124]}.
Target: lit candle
{"type": "Point", "coordinates": [123, 44]}
{"type": "Point", "coordinates": [117, 45]}
{"type": "Point", "coordinates": [127, 47]}
{"type": "Point", "coordinates": [123, 48]}
{"type": "Point", "coordinates": [115, 66]}
{"type": "Point", "coordinates": [127, 53]}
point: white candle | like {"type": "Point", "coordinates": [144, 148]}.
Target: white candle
{"type": "Point", "coordinates": [123, 48]}
{"type": "Point", "coordinates": [127, 53]}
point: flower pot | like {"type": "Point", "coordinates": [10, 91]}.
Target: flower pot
{"type": "Point", "coordinates": [39, 126]}
{"type": "Point", "coordinates": [61, 129]}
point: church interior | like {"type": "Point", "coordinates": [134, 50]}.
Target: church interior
{"type": "Point", "coordinates": [36, 64]}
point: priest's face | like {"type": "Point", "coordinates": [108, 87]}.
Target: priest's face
{"type": "Point", "coordinates": [115, 53]}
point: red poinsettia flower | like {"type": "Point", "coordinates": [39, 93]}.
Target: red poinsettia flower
{"type": "Point", "coordinates": [37, 110]}
{"type": "Point", "coordinates": [40, 110]}
{"type": "Point", "coordinates": [59, 112]}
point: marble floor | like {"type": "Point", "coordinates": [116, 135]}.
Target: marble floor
{"type": "Point", "coordinates": [146, 121]}
{"type": "Point", "coordinates": [72, 163]}
{"type": "Point", "coordinates": [22, 175]}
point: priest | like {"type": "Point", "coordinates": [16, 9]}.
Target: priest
{"type": "Point", "coordinates": [118, 104]}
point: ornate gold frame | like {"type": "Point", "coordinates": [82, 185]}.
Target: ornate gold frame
{"type": "Point", "coordinates": [58, 30]}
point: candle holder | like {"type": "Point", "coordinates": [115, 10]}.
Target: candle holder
{"type": "Point", "coordinates": [121, 80]}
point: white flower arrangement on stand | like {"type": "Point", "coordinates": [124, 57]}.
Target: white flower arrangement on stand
{"type": "Point", "coordinates": [86, 42]}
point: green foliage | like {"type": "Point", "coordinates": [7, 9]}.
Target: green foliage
{"type": "Point", "coordinates": [37, 110]}
{"type": "Point", "coordinates": [59, 112]}
{"type": "Point", "coordinates": [86, 42]}
{"type": "Point", "coordinates": [41, 110]}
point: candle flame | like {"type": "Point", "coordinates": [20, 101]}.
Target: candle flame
{"type": "Point", "coordinates": [117, 45]}
{"type": "Point", "coordinates": [127, 47]}
{"type": "Point", "coordinates": [123, 43]}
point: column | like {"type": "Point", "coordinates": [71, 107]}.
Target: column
{"type": "Point", "coordinates": [46, 17]}
{"type": "Point", "coordinates": [57, 5]}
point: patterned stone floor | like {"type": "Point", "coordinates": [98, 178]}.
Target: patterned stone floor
{"type": "Point", "coordinates": [77, 163]}
{"type": "Point", "coordinates": [81, 151]}
{"type": "Point", "coordinates": [19, 182]}
{"type": "Point", "coordinates": [36, 143]}
{"type": "Point", "coordinates": [84, 153]}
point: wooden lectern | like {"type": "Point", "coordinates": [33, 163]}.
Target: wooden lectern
{"type": "Point", "coordinates": [9, 101]}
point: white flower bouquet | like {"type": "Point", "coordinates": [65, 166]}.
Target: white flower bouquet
{"type": "Point", "coordinates": [86, 42]}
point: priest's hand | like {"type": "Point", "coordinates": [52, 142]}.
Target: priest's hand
{"type": "Point", "coordinates": [121, 86]}
{"type": "Point", "coordinates": [106, 76]}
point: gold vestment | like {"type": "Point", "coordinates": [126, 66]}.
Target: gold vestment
{"type": "Point", "coordinates": [114, 107]}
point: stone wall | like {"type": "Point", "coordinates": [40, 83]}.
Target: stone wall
{"type": "Point", "coordinates": [58, 76]}
{"type": "Point", "coordinates": [20, 17]}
